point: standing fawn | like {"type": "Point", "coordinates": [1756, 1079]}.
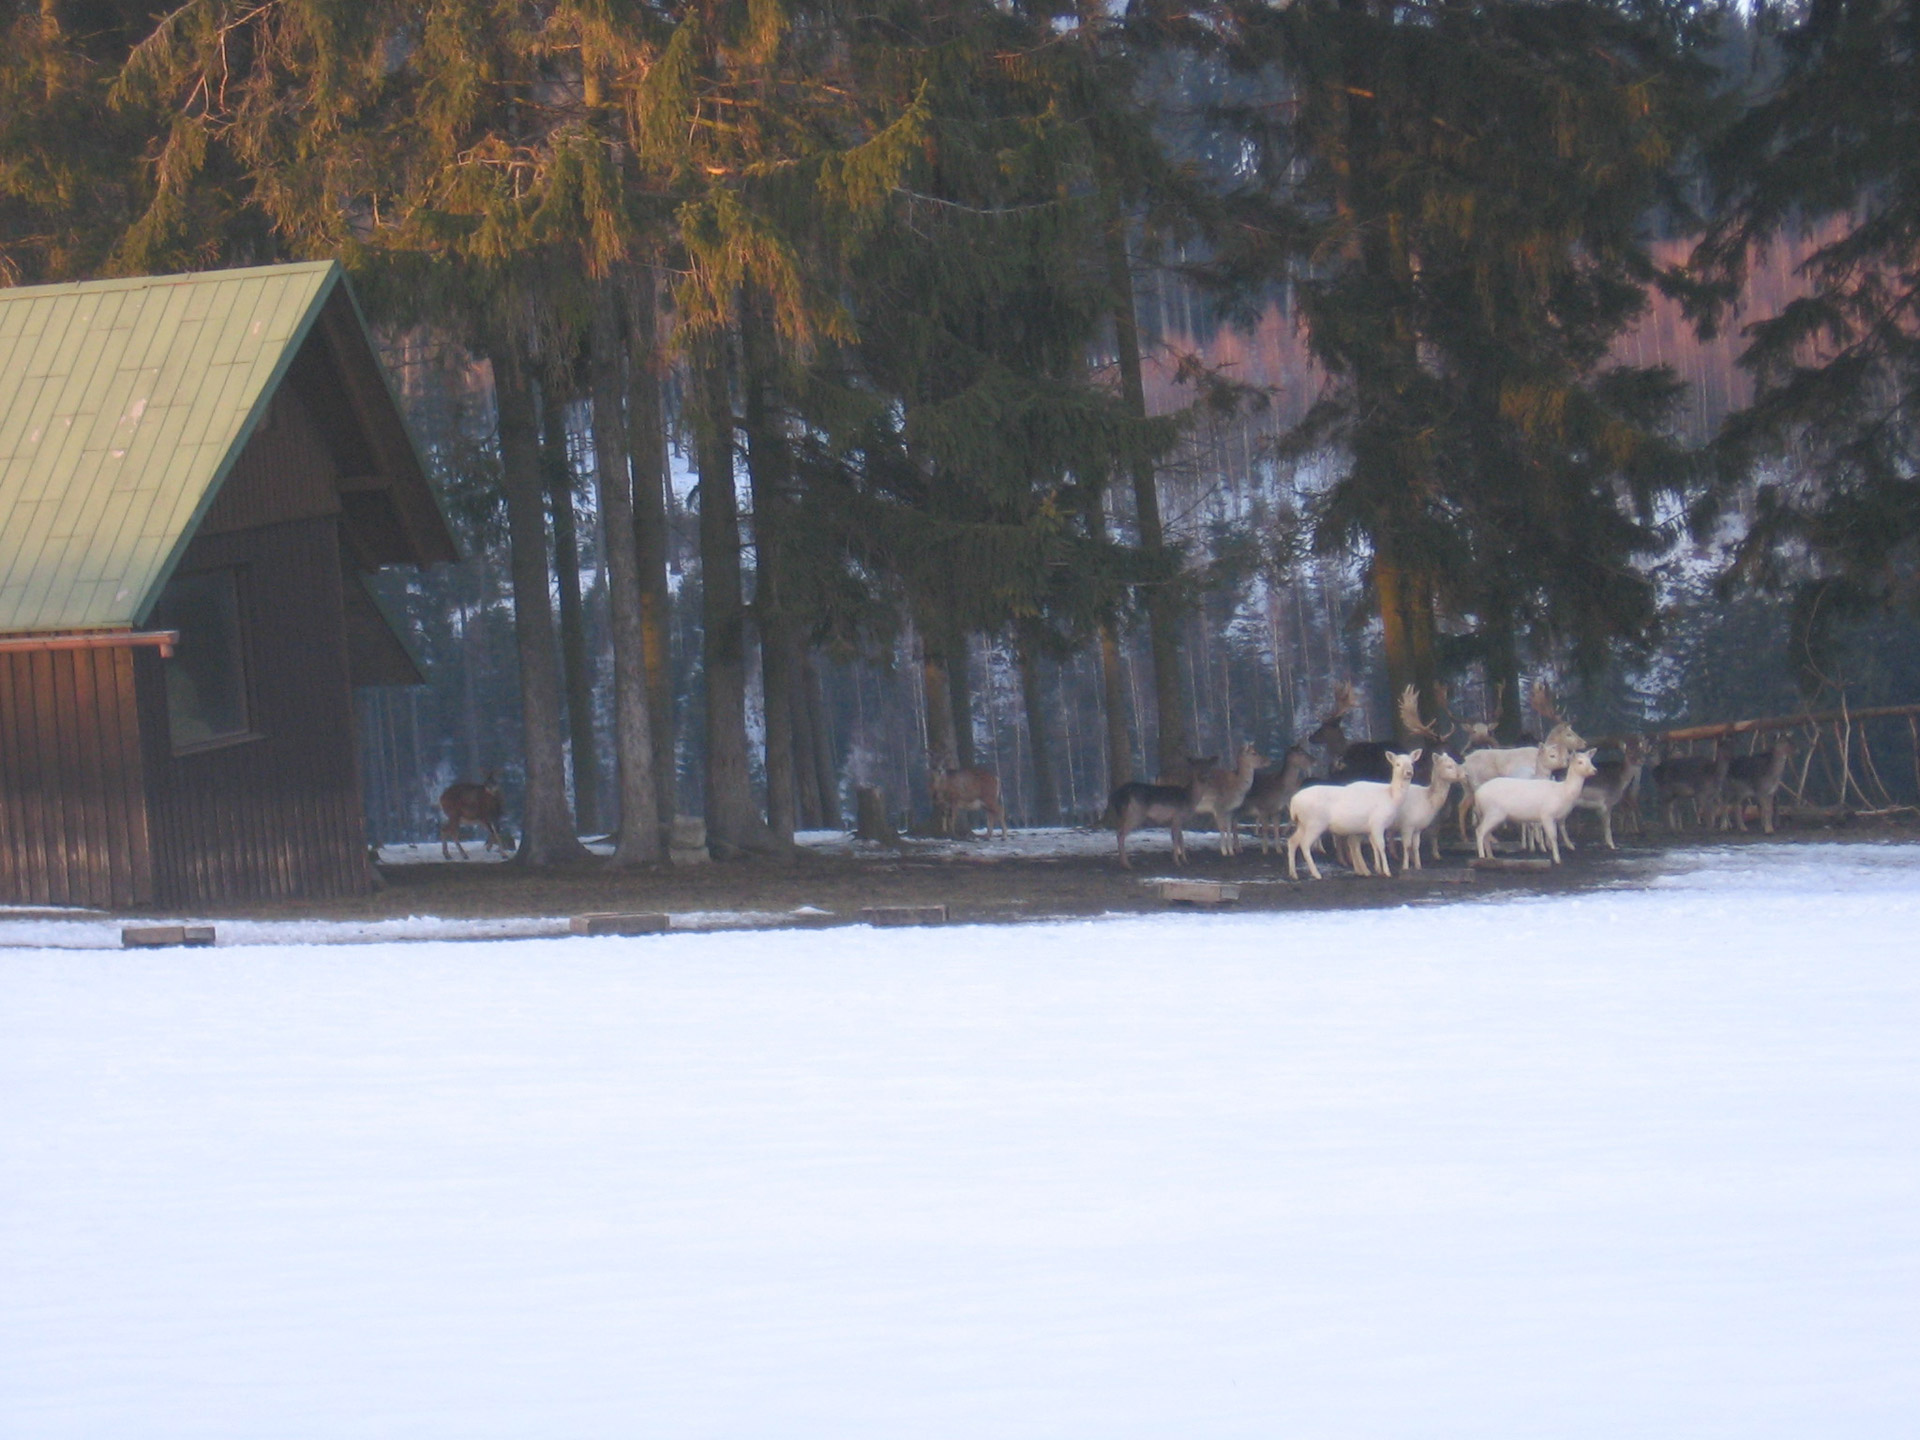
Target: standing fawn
{"type": "Point", "coordinates": [1219, 792]}
{"type": "Point", "coordinates": [956, 791]}
{"type": "Point", "coordinates": [1694, 780]}
{"type": "Point", "coordinates": [1612, 782]}
{"type": "Point", "coordinates": [1516, 761]}
{"type": "Point", "coordinates": [1756, 778]}
{"type": "Point", "coordinates": [1364, 807]}
{"type": "Point", "coordinates": [1270, 794]}
{"type": "Point", "coordinates": [1530, 802]}
{"type": "Point", "coordinates": [465, 803]}
{"type": "Point", "coordinates": [1421, 806]}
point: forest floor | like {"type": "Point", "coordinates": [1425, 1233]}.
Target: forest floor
{"type": "Point", "coordinates": [1037, 875]}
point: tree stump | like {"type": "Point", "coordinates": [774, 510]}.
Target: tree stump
{"type": "Point", "coordinates": [870, 816]}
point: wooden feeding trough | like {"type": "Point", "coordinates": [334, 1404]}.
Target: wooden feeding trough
{"type": "Point", "coordinates": [904, 915]}
{"type": "Point", "coordinates": [645, 922]}
{"type": "Point", "coordinates": [1197, 892]}
{"type": "Point", "coordinates": [159, 937]}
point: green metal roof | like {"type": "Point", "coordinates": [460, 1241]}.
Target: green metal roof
{"type": "Point", "coordinates": [123, 405]}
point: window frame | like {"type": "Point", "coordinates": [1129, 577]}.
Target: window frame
{"type": "Point", "coordinates": [242, 654]}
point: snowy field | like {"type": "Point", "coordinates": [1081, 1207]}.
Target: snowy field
{"type": "Point", "coordinates": [1627, 1163]}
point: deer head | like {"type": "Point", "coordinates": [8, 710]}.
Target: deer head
{"type": "Point", "coordinates": [1558, 729]}
{"type": "Point", "coordinates": [1332, 731]}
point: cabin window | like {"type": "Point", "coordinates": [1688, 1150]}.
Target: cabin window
{"type": "Point", "coordinates": [207, 674]}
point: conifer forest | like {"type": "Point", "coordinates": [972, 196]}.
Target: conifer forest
{"type": "Point", "coordinates": [824, 391]}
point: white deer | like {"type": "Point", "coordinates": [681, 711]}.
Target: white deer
{"type": "Point", "coordinates": [1530, 802]}
{"type": "Point", "coordinates": [1421, 806]}
{"type": "Point", "coordinates": [1364, 807]}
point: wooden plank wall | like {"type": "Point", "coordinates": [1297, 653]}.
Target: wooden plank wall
{"type": "Point", "coordinates": [278, 815]}
{"type": "Point", "coordinates": [73, 812]}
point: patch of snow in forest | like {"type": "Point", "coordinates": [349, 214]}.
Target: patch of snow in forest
{"type": "Point", "coordinates": [1629, 1162]}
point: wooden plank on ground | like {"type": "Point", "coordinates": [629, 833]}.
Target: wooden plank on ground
{"type": "Point", "coordinates": [1197, 892]}
{"type": "Point", "coordinates": [904, 914]}
{"type": "Point", "coordinates": [149, 937]}
{"type": "Point", "coordinates": [645, 922]}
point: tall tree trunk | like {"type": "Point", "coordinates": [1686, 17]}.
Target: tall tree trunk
{"type": "Point", "coordinates": [640, 840]}
{"type": "Point", "coordinates": [826, 773]}
{"type": "Point", "coordinates": [573, 621]}
{"type": "Point", "coordinates": [1406, 627]}
{"type": "Point", "coordinates": [550, 838]}
{"type": "Point", "coordinates": [768, 474]}
{"type": "Point", "coordinates": [733, 820]}
{"type": "Point", "coordinates": [647, 454]}
{"type": "Point", "coordinates": [942, 746]}
{"type": "Point", "coordinates": [960, 697]}
{"type": "Point", "coordinates": [806, 779]}
{"type": "Point", "coordinates": [1113, 686]}
{"type": "Point", "coordinates": [1046, 795]}
{"type": "Point", "coordinates": [1163, 610]}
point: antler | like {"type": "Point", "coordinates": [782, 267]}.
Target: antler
{"type": "Point", "coordinates": [1410, 715]}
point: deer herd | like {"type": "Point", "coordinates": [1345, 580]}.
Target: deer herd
{"type": "Point", "coordinates": [1372, 794]}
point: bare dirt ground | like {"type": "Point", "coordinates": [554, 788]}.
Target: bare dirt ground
{"type": "Point", "coordinates": [977, 885]}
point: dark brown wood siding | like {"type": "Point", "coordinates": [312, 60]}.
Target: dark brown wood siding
{"type": "Point", "coordinates": [286, 472]}
{"type": "Point", "coordinates": [73, 816]}
{"type": "Point", "coordinates": [278, 814]}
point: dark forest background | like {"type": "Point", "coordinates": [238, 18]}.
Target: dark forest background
{"type": "Point", "coordinates": [821, 391]}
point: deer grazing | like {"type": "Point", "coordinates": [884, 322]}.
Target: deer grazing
{"type": "Point", "coordinates": [1362, 807]}
{"type": "Point", "coordinates": [1612, 782]}
{"type": "Point", "coordinates": [1695, 780]}
{"type": "Point", "coordinates": [1756, 779]}
{"type": "Point", "coordinates": [1219, 793]}
{"type": "Point", "coordinates": [1271, 792]}
{"type": "Point", "coordinates": [958, 791]}
{"type": "Point", "coordinates": [1530, 802]}
{"type": "Point", "coordinates": [465, 803]}
{"type": "Point", "coordinates": [1140, 803]}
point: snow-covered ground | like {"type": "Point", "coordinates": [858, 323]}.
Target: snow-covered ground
{"type": "Point", "coordinates": [1634, 1162]}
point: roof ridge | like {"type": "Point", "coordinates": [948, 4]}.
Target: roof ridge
{"type": "Point", "coordinates": [143, 282]}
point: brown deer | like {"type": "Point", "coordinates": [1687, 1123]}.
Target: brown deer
{"type": "Point", "coordinates": [465, 803]}
{"type": "Point", "coordinates": [1348, 759]}
{"type": "Point", "coordinates": [1756, 778]}
{"type": "Point", "coordinates": [1267, 798]}
{"type": "Point", "coordinates": [1219, 792]}
{"type": "Point", "coordinates": [957, 791]}
{"type": "Point", "coordinates": [1695, 780]}
{"type": "Point", "coordinates": [1612, 783]}
{"type": "Point", "coordinates": [1139, 803]}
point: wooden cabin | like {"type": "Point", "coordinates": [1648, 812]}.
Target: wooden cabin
{"type": "Point", "coordinates": [197, 473]}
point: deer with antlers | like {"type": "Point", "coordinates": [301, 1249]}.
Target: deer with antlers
{"type": "Point", "coordinates": [465, 803]}
{"type": "Point", "coordinates": [1349, 760]}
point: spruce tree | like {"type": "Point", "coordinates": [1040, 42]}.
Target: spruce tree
{"type": "Point", "coordinates": [1828, 148]}
{"type": "Point", "coordinates": [1463, 201]}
